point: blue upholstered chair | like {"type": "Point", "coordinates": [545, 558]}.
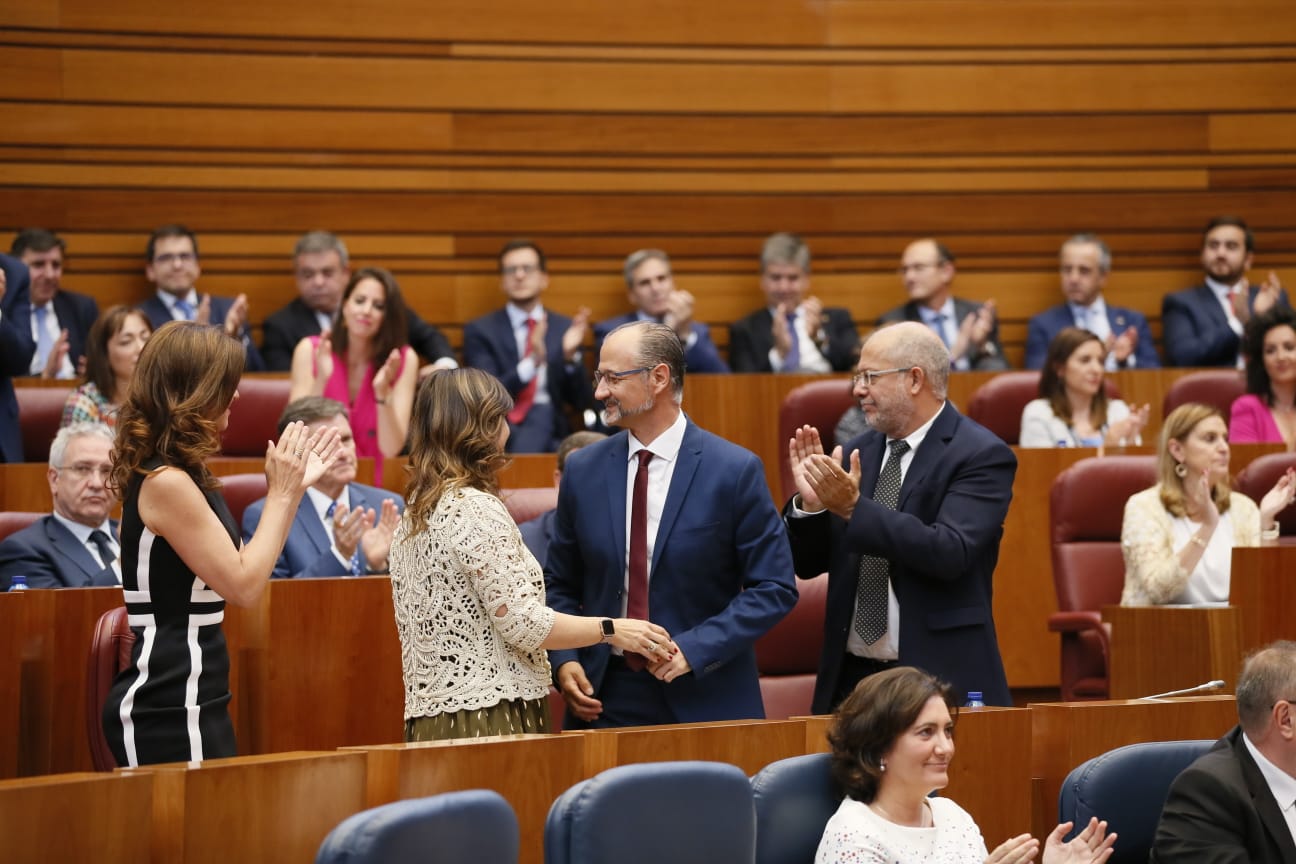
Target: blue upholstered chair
{"type": "Point", "coordinates": [475, 826]}
{"type": "Point", "coordinates": [652, 813]}
{"type": "Point", "coordinates": [794, 800]}
{"type": "Point", "coordinates": [1127, 787]}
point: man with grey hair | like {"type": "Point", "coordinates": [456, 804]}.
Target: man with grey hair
{"type": "Point", "coordinates": [794, 332]}
{"type": "Point", "coordinates": [1237, 803]}
{"type": "Point", "coordinates": [76, 546]}
{"type": "Point", "coordinates": [321, 267]}
{"type": "Point", "coordinates": [907, 525]}
{"type": "Point", "coordinates": [1084, 264]}
{"type": "Point", "coordinates": [672, 524]}
{"type": "Point", "coordinates": [650, 286]}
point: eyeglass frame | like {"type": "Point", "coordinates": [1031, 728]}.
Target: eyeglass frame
{"type": "Point", "coordinates": [523, 269]}
{"type": "Point", "coordinates": [869, 376]}
{"type": "Point", "coordinates": [81, 473]}
{"type": "Point", "coordinates": [613, 377]}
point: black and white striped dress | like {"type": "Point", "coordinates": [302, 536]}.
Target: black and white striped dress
{"type": "Point", "coordinates": [171, 703]}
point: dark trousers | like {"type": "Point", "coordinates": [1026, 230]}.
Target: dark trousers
{"type": "Point", "coordinates": [629, 697]}
{"type": "Point", "coordinates": [855, 669]}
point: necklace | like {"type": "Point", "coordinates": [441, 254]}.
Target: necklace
{"type": "Point", "coordinates": [924, 817]}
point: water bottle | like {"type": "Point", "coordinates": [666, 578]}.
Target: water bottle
{"type": "Point", "coordinates": [19, 583]}
{"type": "Point", "coordinates": [974, 700]}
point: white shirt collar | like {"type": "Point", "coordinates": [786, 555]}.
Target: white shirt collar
{"type": "Point", "coordinates": [82, 532]}
{"type": "Point", "coordinates": [518, 317]}
{"type": "Point", "coordinates": [1097, 307]}
{"type": "Point", "coordinates": [915, 438]}
{"type": "Point", "coordinates": [1281, 784]}
{"type": "Point", "coordinates": [169, 300]}
{"type": "Point", "coordinates": [1221, 290]}
{"type": "Point", "coordinates": [665, 446]}
{"type": "Point", "coordinates": [321, 502]}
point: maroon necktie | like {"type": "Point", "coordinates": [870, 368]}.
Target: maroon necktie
{"type": "Point", "coordinates": [526, 397]}
{"type": "Point", "coordinates": [637, 594]}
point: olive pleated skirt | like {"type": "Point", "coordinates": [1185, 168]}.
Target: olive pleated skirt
{"type": "Point", "coordinates": [512, 717]}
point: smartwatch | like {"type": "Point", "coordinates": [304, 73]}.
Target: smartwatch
{"type": "Point", "coordinates": [609, 628]}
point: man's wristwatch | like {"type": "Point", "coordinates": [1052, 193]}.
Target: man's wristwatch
{"type": "Point", "coordinates": [609, 628]}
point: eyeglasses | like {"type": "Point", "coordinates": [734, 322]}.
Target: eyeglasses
{"type": "Point", "coordinates": [918, 266]}
{"type": "Point", "coordinates": [613, 377]}
{"type": "Point", "coordinates": [175, 258]}
{"type": "Point", "coordinates": [869, 378]}
{"type": "Point", "coordinates": [81, 472]}
{"type": "Point", "coordinates": [520, 269]}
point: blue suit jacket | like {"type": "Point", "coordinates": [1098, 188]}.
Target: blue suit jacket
{"type": "Point", "coordinates": [720, 577]}
{"type": "Point", "coordinates": [1195, 330]}
{"type": "Point", "coordinates": [1042, 329]}
{"type": "Point", "coordinates": [536, 534]}
{"type": "Point", "coordinates": [16, 347]}
{"type": "Point", "coordinates": [943, 543]}
{"type": "Point", "coordinates": [703, 357]}
{"type": "Point", "coordinates": [158, 314]}
{"type": "Point", "coordinates": [308, 552]}
{"type": "Point", "coordinates": [50, 556]}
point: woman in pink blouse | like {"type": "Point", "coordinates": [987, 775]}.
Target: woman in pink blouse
{"type": "Point", "coordinates": [1266, 414]}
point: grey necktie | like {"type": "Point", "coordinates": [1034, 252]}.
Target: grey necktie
{"type": "Point", "coordinates": [874, 572]}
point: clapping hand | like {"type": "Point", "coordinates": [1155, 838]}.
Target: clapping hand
{"type": "Point", "coordinates": [820, 479]}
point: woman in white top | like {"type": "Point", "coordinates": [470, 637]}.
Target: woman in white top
{"type": "Point", "coordinates": [469, 596]}
{"type": "Point", "coordinates": [1178, 537]}
{"type": "Point", "coordinates": [892, 741]}
{"type": "Point", "coordinates": [1073, 409]}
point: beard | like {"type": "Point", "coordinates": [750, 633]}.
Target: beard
{"type": "Point", "coordinates": [613, 413]}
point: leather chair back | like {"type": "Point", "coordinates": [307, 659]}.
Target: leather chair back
{"type": "Point", "coordinates": [787, 656]}
{"type": "Point", "coordinates": [819, 404]}
{"type": "Point", "coordinates": [1259, 477]}
{"type": "Point", "coordinates": [40, 412]}
{"type": "Point", "coordinates": [1216, 387]}
{"type": "Point", "coordinates": [254, 416]}
{"type": "Point", "coordinates": [1127, 787]}
{"type": "Point", "coordinates": [998, 403]}
{"type": "Point", "coordinates": [472, 825]}
{"type": "Point", "coordinates": [110, 652]}
{"type": "Point", "coordinates": [794, 800]}
{"type": "Point", "coordinates": [14, 521]}
{"type": "Point", "coordinates": [240, 490]}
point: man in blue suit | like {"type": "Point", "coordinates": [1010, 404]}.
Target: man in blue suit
{"type": "Point", "coordinates": [533, 351]}
{"type": "Point", "coordinates": [908, 527]}
{"type": "Point", "coordinates": [651, 289]}
{"type": "Point", "coordinates": [342, 528]}
{"type": "Point", "coordinates": [1202, 325]}
{"type": "Point", "coordinates": [61, 319]}
{"type": "Point", "coordinates": [16, 347]}
{"type": "Point", "coordinates": [76, 546]}
{"type": "Point", "coordinates": [1085, 262]}
{"type": "Point", "coordinates": [685, 535]}
{"type": "Point", "coordinates": [172, 267]}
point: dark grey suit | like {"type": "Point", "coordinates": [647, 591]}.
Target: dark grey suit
{"type": "Point", "coordinates": [991, 359]}
{"type": "Point", "coordinates": [50, 556]}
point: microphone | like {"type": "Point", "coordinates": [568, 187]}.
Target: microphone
{"type": "Point", "coordinates": [1200, 688]}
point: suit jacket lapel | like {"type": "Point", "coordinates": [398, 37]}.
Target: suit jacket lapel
{"type": "Point", "coordinates": [505, 338]}
{"type": "Point", "coordinates": [616, 493]}
{"type": "Point", "coordinates": [66, 544]}
{"type": "Point", "coordinates": [1267, 808]}
{"type": "Point", "coordinates": [686, 465]}
{"type": "Point", "coordinates": [929, 453]}
{"type": "Point", "coordinates": [310, 522]}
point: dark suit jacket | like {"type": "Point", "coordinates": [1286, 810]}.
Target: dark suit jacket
{"type": "Point", "coordinates": [489, 344]}
{"type": "Point", "coordinates": [1195, 330]}
{"type": "Point", "coordinates": [702, 357]}
{"type": "Point", "coordinates": [76, 314]}
{"type": "Point", "coordinates": [50, 556]}
{"type": "Point", "coordinates": [308, 552]}
{"type": "Point", "coordinates": [1220, 811]}
{"type": "Point", "coordinates": [720, 577]}
{"type": "Point", "coordinates": [750, 341]}
{"type": "Point", "coordinates": [284, 328]}
{"type": "Point", "coordinates": [989, 360]}
{"type": "Point", "coordinates": [943, 544]}
{"type": "Point", "coordinates": [536, 534]}
{"type": "Point", "coordinates": [16, 347]}
{"type": "Point", "coordinates": [1042, 329]}
{"type": "Point", "coordinates": [158, 314]}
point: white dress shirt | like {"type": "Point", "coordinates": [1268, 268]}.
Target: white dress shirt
{"type": "Point", "coordinates": [52, 330]}
{"type": "Point", "coordinates": [321, 503]}
{"type": "Point", "coordinates": [529, 367]}
{"type": "Point", "coordinates": [665, 449]}
{"type": "Point", "coordinates": [1281, 784]}
{"type": "Point", "coordinates": [810, 357]}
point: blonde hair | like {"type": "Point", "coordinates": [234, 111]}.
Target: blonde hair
{"type": "Point", "coordinates": [1177, 427]}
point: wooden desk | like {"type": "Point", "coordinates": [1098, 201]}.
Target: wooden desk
{"type": "Point", "coordinates": [11, 645]}
{"type": "Point", "coordinates": [1156, 649]}
{"type": "Point", "coordinates": [749, 744]}
{"type": "Point", "coordinates": [1263, 587]}
{"type": "Point", "coordinates": [990, 776]}
{"type": "Point", "coordinates": [530, 771]}
{"type": "Point", "coordinates": [77, 817]}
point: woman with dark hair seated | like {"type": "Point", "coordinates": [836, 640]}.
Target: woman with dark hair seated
{"type": "Point", "coordinates": [892, 741]}
{"type": "Point", "coordinates": [112, 349]}
{"type": "Point", "coordinates": [1073, 409]}
{"type": "Point", "coordinates": [1266, 414]}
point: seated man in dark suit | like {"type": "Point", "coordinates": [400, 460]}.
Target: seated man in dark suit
{"type": "Point", "coordinates": [60, 319]}
{"type": "Point", "coordinates": [650, 286]}
{"type": "Point", "coordinates": [172, 267]}
{"type": "Point", "coordinates": [16, 347]}
{"type": "Point", "coordinates": [1202, 325]}
{"type": "Point", "coordinates": [794, 332]}
{"type": "Point", "coordinates": [1085, 263]}
{"type": "Point", "coordinates": [1235, 804]}
{"type": "Point", "coordinates": [968, 329]}
{"type": "Point", "coordinates": [342, 528]}
{"type": "Point", "coordinates": [321, 267]}
{"type": "Point", "coordinates": [535, 352]}
{"type": "Point", "coordinates": [537, 532]}
{"type": "Point", "coordinates": [76, 546]}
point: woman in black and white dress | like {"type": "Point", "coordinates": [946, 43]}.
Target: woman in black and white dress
{"type": "Point", "coordinates": [181, 556]}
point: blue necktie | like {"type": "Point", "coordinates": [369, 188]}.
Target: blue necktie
{"type": "Point", "coordinates": [44, 344]}
{"type": "Point", "coordinates": [792, 362]}
{"type": "Point", "coordinates": [938, 324]}
{"type": "Point", "coordinates": [357, 563]}
{"type": "Point", "coordinates": [185, 308]}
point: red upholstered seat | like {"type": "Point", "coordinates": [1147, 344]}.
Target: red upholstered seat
{"type": "Point", "coordinates": [1087, 506]}
{"type": "Point", "coordinates": [819, 404]}
{"type": "Point", "coordinates": [240, 490]}
{"type": "Point", "coordinates": [254, 416]}
{"type": "Point", "coordinates": [788, 655]}
{"type": "Point", "coordinates": [1259, 477]}
{"type": "Point", "coordinates": [40, 410]}
{"type": "Point", "coordinates": [998, 403]}
{"type": "Point", "coordinates": [14, 521]}
{"type": "Point", "coordinates": [1217, 387]}
{"type": "Point", "coordinates": [110, 651]}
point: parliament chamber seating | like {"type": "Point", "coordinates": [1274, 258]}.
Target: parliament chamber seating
{"type": "Point", "coordinates": [472, 825]}
{"type": "Point", "coordinates": [254, 415]}
{"type": "Point", "coordinates": [40, 411]}
{"type": "Point", "coordinates": [1087, 506]}
{"type": "Point", "coordinates": [15, 521]}
{"type": "Point", "coordinates": [998, 403]}
{"type": "Point", "coordinates": [787, 656]}
{"type": "Point", "coordinates": [1258, 477]}
{"type": "Point", "coordinates": [1217, 387]}
{"type": "Point", "coordinates": [110, 651]}
{"type": "Point", "coordinates": [794, 800]}
{"type": "Point", "coordinates": [241, 490]}
{"type": "Point", "coordinates": [649, 813]}
{"type": "Point", "coordinates": [819, 404]}
{"type": "Point", "coordinates": [1127, 787]}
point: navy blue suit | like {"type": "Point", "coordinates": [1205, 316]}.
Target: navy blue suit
{"type": "Point", "coordinates": [703, 357]}
{"type": "Point", "coordinates": [76, 314]}
{"type": "Point", "coordinates": [158, 314]}
{"type": "Point", "coordinates": [752, 337]}
{"type": "Point", "coordinates": [489, 344]}
{"type": "Point", "coordinates": [991, 359]}
{"type": "Point", "coordinates": [308, 552]}
{"type": "Point", "coordinates": [1042, 329]}
{"type": "Point", "coordinates": [16, 347]}
{"type": "Point", "coordinates": [720, 577]}
{"type": "Point", "coordinates": [1196, 332]}
{"type": "Point", "coordinates": [943, 543]}
{"type": "Point", "coordinates": [50, 556]}
{"type": "Point", "coordinates": [536, 534]}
